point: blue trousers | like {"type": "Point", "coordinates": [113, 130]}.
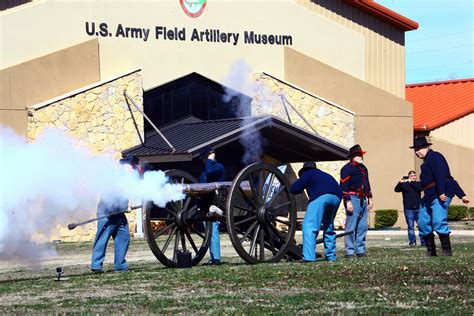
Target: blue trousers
{"type": "Point", "coordinates": [357, 221]}
{"type": "Point", "coordinates": [215, 247]}
{"type": "Point", "coordinates": [411, 216]}
{"type": "Point", "coordinates": [117, 228]}
{"type": "Point", "coordinates": [323, 209]}
{"type": "Point", "coordinates": [434, 218]}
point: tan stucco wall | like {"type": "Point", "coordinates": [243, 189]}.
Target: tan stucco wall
{"type": "Point", "coordinates": [384, 42]}
{"type": "Point", "coordinates": [45, 77]}
{"type": "Point", "coordinates": [165, 60]}
{"type": "Point", "coordinates": [460, 160]}
{"type": "Point", "coordinates": [383, 122]}
{"type": "Point", "coordinates": [329, 120]}
{"type": "Point", "coordinates": [458, 132]}
{"type": "Point", "coordinates": [99, 118]}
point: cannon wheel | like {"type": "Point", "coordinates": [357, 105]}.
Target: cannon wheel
{"type": "Point", "coordinates": [177, 226]}
{"type": "Point", "coordinates": [261, 221]}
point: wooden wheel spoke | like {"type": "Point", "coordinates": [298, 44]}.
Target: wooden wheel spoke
{"type": "Point", "coordinates": [161, 219]}
{"type": "Point", "coordinates": [246, 198]}
{"type": "Point", "coordinates": [269, 188]}
{"type": "Point", "coordinates": [186, 203]}
{"type": "Point", "coordinates": [262, 245]}
{"type": "Point", "coordinates": [253, 188]}
{"type": "Point", "coordinates": [169, 210]}
{"type": "Point", "coordinates": [253, 244]}
{"type": "Point", "coordinates": [243, 208]}
{"type": "Point", "coordinates": [192, 211]}
{"type": "Point", "coordinates": [277, 232]}
{"type": "Point", "coordinates": [270, 241]}
{"type": "Point", "coordinates": [261, 183]}
{"type": "Point", "coordinates": [176, 243]}
{"type": "Point", "coordinates": [282, 221]}
{"type": "Point", "coordinates": [183, 241]}
{"type": "Point", "coordinates": [168, 240]}
{"type": "Point", "coordinates": [163, 230]}
{"type": "Point", "coordinates": [251, 218]}
{"type": "Point", "coordinates": [247, 232]}
{"type": "Point", "coordinates": [180, 182]}
{"type": "Point", "coordinates": [273, 198]}
{"type": "Point", "coordinates": [282, 205]}
{"type": "Point", "coordinates": [191, 241]}
{"type": "Point", "coordinates": [197, 232]}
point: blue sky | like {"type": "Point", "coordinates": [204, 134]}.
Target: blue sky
{"type": "Point", "coordinates": [442, 47]}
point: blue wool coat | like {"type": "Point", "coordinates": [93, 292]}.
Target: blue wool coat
{"type": "Point", "coordinates": [316, 183]}
{"type": "Point", "coordinates": [213, 171]}
{"type": "Point", "coordinates": [436, 177]}
{"type": "Point", "coordinates": [354, 178]}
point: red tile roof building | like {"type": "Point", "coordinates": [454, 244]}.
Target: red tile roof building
{"type": "Point", "coordinates": [438, 103]}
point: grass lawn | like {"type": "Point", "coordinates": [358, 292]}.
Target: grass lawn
{"type": "Point", "coordinates": [392, 279]}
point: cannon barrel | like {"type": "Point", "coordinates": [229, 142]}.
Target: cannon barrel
{"type": "Point", "coordinates": [195, 189]}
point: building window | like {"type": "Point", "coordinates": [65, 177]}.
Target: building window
{"type": "Point", "coordinates": [192, 95]}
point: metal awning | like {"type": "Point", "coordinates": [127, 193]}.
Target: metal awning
{"type": "Point", "coordinates": [281, 140]}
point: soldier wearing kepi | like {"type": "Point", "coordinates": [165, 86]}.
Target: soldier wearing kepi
{"type": "Point", "coordinates": [213, 171]}
{"type": "Point", "coordinates": [439, 188]}
{"type": "Point", "coordinates": [357, 197]}
{"type": "Point", "coordinates": [324, 199]}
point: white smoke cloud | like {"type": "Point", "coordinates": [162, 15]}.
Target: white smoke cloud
{"type": "Point", "coordinates": [53, 181]}
{"type": "Point", "coordinates": [239, 81]}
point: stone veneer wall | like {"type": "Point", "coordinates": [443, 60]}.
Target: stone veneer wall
{"type": "Point", "coordinates": [99, 118]}
{"type": "Point", "coordinates": [329, 120]}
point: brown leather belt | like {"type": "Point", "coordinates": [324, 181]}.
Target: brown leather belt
{"type": "Point", "coordinates": [429, 186]}
{"type": "Point", "coordinates": [357, 194]}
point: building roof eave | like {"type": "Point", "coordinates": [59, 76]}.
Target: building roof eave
{"type": "Point", "coordinates": [430, 127]}
{"type": "Point", "coordinates": [385, 14]}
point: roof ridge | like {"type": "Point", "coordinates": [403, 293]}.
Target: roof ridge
{"type": "Point", "coordinates": [230, 119]}
{"type": "Point", "coordinates": [375, 9]}
{"type": "Point", "coordinates": [430, 83]}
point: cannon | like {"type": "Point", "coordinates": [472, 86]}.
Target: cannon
{"type": "Point", "coordinates": [259, 212]}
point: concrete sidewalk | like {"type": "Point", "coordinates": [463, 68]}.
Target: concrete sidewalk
{"type": "Point", "coordinates": [403, 232]}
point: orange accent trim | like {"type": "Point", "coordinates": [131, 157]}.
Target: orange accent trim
{"type": "Point", "coordinates": [345, 179]}
{"type": "Point", "coordinates": [385, 14]}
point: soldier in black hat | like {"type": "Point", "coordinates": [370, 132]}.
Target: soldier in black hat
{"type": "Point", "coordinates": [439, 188]}
{"type": "Point", "coordinates": [357, 196]}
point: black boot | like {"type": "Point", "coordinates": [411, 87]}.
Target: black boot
{"type": "Point", "coordinates": [445, 245]}
{"type": "Point", "coordinates": [430, 245]}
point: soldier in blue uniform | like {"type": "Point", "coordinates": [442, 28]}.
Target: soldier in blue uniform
{"type": "Point", "coordinates": [213, 171]}
{"type": "Point", "coordinates": [324, 198]}
{"type": "Point", "coordinates": [115, 226]}
{"type": "Point", "coordinates": [439, 188]}
{"type": "Point", "coordinates": [357, 197]}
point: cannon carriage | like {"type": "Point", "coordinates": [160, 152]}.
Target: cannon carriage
{"type": "Point", "coordinates": [260, 213]}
